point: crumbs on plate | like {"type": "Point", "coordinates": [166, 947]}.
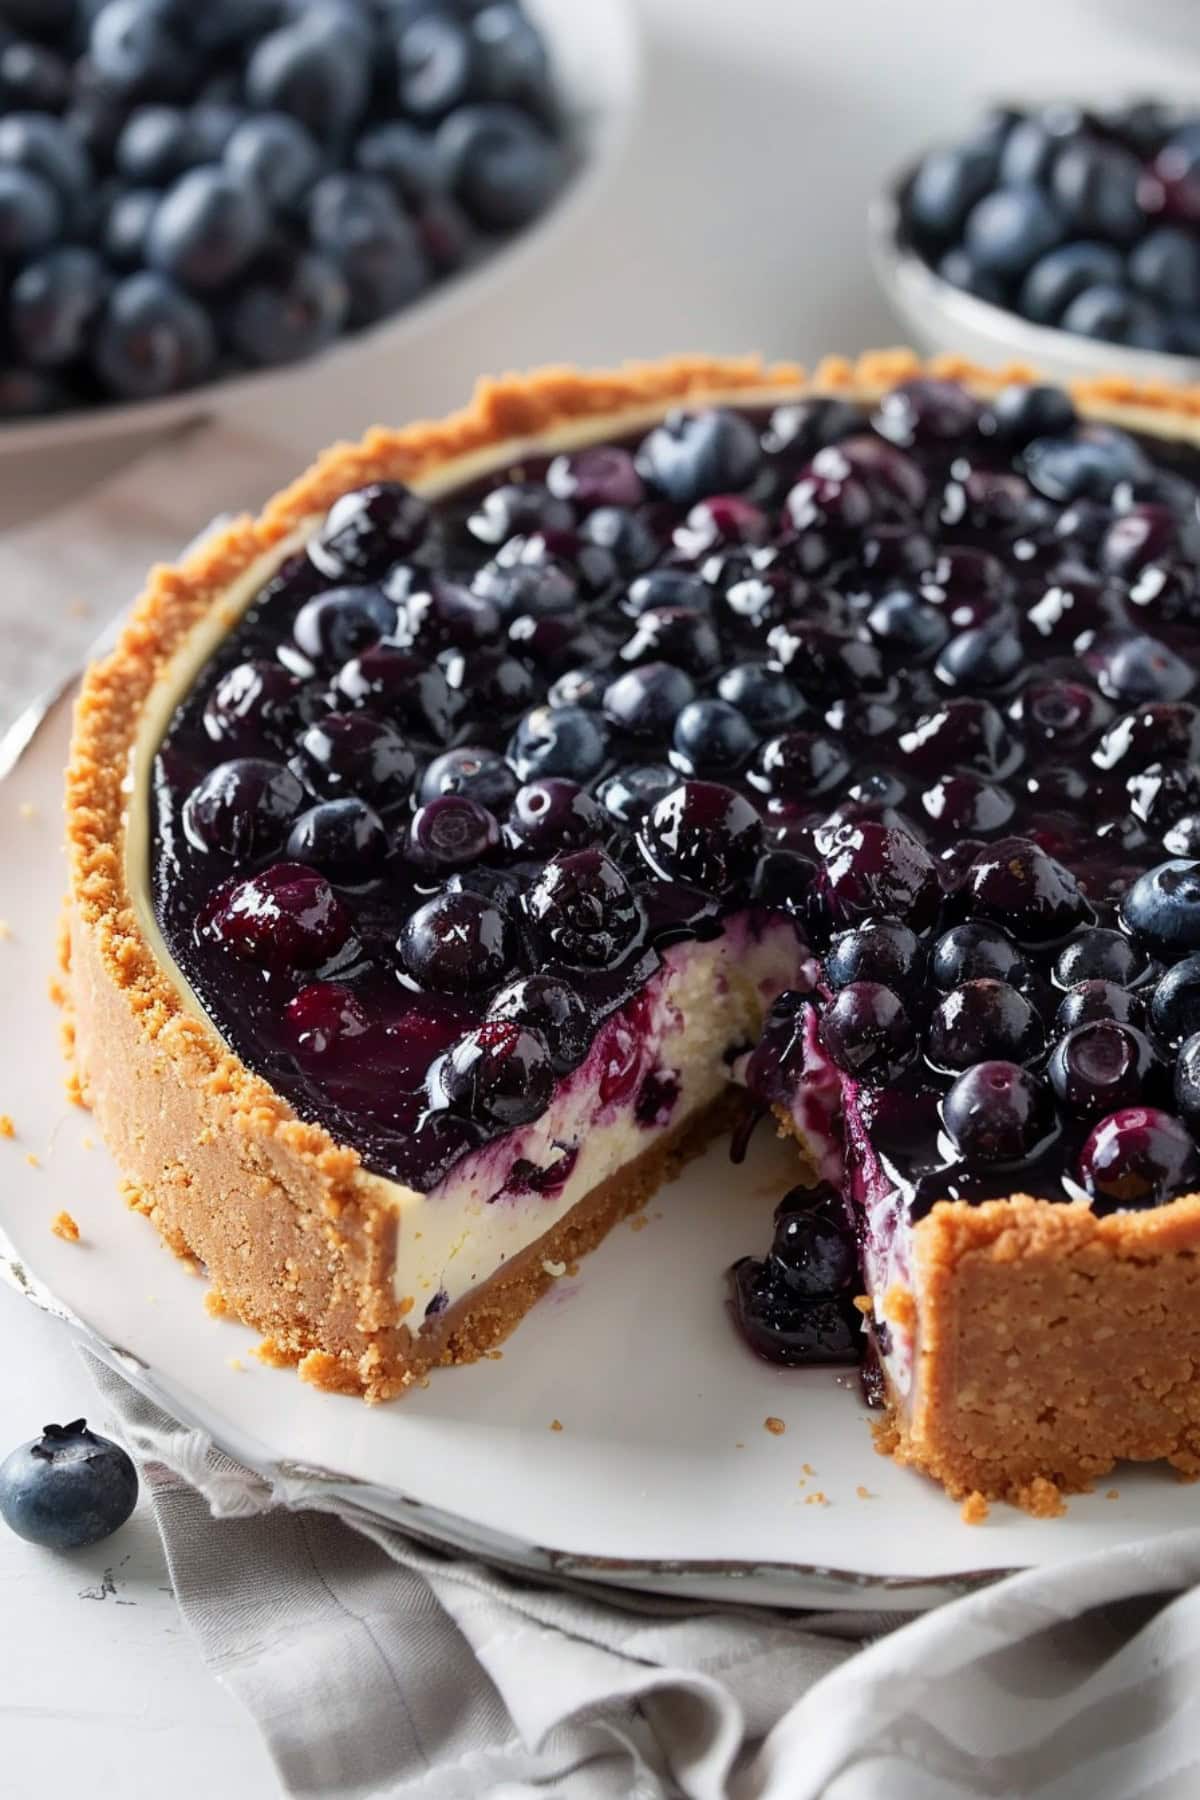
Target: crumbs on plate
{"type": "Point", "coordinates": [775, 1426]}
{"type": "Point", "coordinates": [64, 1226]}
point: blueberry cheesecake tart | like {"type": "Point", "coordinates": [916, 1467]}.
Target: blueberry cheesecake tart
{"type": "Point", "coordinates": [526, 797]}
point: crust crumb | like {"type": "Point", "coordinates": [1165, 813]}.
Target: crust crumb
{"type": "Point", "coordinates": [816, 1498]}
{"type": "Point", "coordinates": [639, 1222]}
{"type": "Point", "coordinates": [216, 1305]}
{"type": "Point", "coordinates": [6, 931]}
{"type": "Point", "coordinates": [864, 1304]}
{"type": "Point", "coordinates": [74, 1090]}
{"type": "Point", "coordinates": [33, 1159]}
{"type": "Point", "coordinates": [405, 1306]}
{"type": "Point", "coordinates": [88, 1143]}
{"type": "Point", "coordinates": [556, 1424]}
{"type": "Point", "coordinates": [27, 810]}
{"type": "Point", "coordinates": [775, 1426]}
{"type": "Point", "coordinates": [275, 1355]}
{"type": "Point", "coordinates": [1113, 1494]}
{"type": "Point", "coordinates": [494, 1355]}
{"type": "Point", "coordinates": [864, 1493]}
{"type": "Point", "coordinates": [7, 1128]}
{"type": "Point", "coordinates": [236, 1364]}
{"type": "Point", "coordinates": [899, 1308]}
{"type": "Point", "coordinates": [975, 1509]}
{"type": "Point", "coordinates": [63, 1226]}
{"type": "Point", "coordinates": [808, 1468]}
{"type": "Point", "coordinates": [1042, 1498]}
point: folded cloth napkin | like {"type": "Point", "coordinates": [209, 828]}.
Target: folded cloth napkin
{"type": "Point", "coordinates": [375, 1666]}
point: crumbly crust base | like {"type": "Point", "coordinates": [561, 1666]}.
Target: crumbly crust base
{"type": "Point", "coordinates": [299, 1240]}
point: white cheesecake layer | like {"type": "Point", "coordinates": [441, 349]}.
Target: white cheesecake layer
{"type": "Point", "coordinates": [708, 999]}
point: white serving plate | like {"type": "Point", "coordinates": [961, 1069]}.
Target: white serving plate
{"type": "Point", "coordinates": [942, 318]}
{"type": "Point", "coordinates": [597, 54]}
{"type": "Point", "coordinates": [663, 1476]}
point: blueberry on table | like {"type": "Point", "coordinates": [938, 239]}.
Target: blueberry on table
{"type": "Point", "coordinates": [69, 1488]}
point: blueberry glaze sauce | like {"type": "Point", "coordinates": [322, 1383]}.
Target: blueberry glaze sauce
{"type": "Point", "coordinates": [920, 679]}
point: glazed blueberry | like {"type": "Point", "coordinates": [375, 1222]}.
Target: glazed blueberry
{"type": "Point", "coordinates": [877, 869]}
{"type": "Point", "coordinates": [622, 534]}
{"type": "Point", "coordinates": [345, 839]}
{"type": "Point", "coordinates": [801, 765]}
{"type": "Point", "coordinates": [1087, 465]}
{"type": "Point", "coordinates": [1138, 1157]}
{"type": "Point", "coordinates": [286, 917]}
{"type": "Point", "coordinates": [967, 805]}
{"type": "Point", "coordinates": [985, 656]}
{"type": "Point", "coordinates": [1099, 955]}
{"type": "Point", "coordinates": [559, 740]}
{"type": "Point", "coordinates": [879, 950]}
{"type": "Point", "coordinates": [815, 1253]}
{"type": "Point", "coordinates": [458, 942]}
{"type": "Point", "coordinates": [795, 432]}
{"type": "Point", "coordinates": [519, 587]}
{"type": "Point", "coordinates": [411, 693]}
{"type": "Point", "coordinates": [1187, 1081]}
{"type": "Point", "coordinates": [68, 1488]}
{"type": "Point", "coordinates": [761, 693]}
{"type": "Point", "coordinates": [997, 1113]}
{"type": "Point", "coordinates": [1097, 999]}
{"type": "Point", "coordinates": [691, 455]}
{"type": "Point", "coordinates": [703, 833]}
{"type": "Point", "coordinates": [340, 623]}
{"type": "Point", "coordinates": [1152, 733]}
{"type": "Point", "coordinates": [906, 626]}
{"type": "Point", "coordinates": [1100, 1067]}
{"type": "Point", "coordinates": [243, 808]}
{"type": "Point", "coordinates": [552, 815]}
{"type": "Point", "coordinates": [1015, 883]}
{"type": "Point", "coordinates": [712, 735]}
{"type": "Point", "coordinates": [785, 1329]}
{"type": "Point", "coordinates": [442, 615]}
{"type": "Point", "coordinates": [1163, 793]}
{"type": "Point", "coordinates": [965, 733]}
{"type": "Point", "coordinates": [554, 1010]}
{"type": "Point", "coordinates": [368, 530]}
{"type": "Point", "coordinates": [925, 411]}
{"type": "Point", "coordinates": [981, 1021]}
{"type": "Point", "coordinates": [451, 832]}
{"type": "Point", "coordinates": [353, 753]}
{"type": "Point", "coordinates": [973, 952]}
{"type": "Point", "coordinates": [501, 1072]}
{"type": "Point", "coordinates": [632, 791]}
{"type": "Point", "coordinates": [647, 700]}
{"type": "Point", "coordinates": [867, 1032]}
{"type": "Point", "coordinates": [582, 910]}
{"type": "Point", "coordinates": [1175, 1005]}
{"type": "Point", "coordinates": [324, 1015]}
{"type": "Point", "coordinates": [480, 774]}
{"type": "Point", "coordinates": [674, 634]}
{"type": "Point", "coordinates": [255, 701]}
{"type": "Point", "coordinates": [1162, 909]}
{"type": "Point", "coordinates": [601, 476]}
{"type": "Point", "coordinates": [515, 509]}
{"type": "Point", "coordinates": [1132, 667]}
{"type": "Point", "coordinates": [1059, 715]}
{"type": "Point", "coordinates": [1138, 537]}
{"type": "Point", "coordinates": [667, 587]}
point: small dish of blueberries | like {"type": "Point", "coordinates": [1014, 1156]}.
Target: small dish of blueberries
{"type": "Point", "coordinates": [1065, 236]}
{"type": "Point", "coordinates": [197, 191]}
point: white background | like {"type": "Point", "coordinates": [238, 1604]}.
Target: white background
{"type": "Point", "coordinates": [736, 223]}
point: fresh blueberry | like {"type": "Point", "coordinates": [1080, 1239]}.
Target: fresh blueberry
{"type": "Point", "coordinates": [1057, 279]}
{"type": "Point", "coordinates": [1175, 1006]}
{"type": "Point", "coordinates": [510, 60]}
{"type": "Point", "coordinates": [878, 950]}
{"type": "Point", "coordinates": [1132, 668]}
{"type": "Point", "coordinates": [960, 269]}
{"type": "Point", "coordinates": [867, 1032]}
{"type": "Point", "coordinates": [1010, 229]}
{"type": "Point", "coordinates": [1162, 909]}
{"type": "Point", "coordinates": [1027, 410]}
{"type": "Point", "coordinates": [518, 509]}
{"type": "Point", "coordinates": [691, 455]}
{"type": "Point", "coordinates": [354, 220]}
{"type": "Point", "coordinates": [320, 78]}
{"type": "Point", "coordinates": [972, 952]}
{"type": "Point", "coordinates": [345, 839]}
{"type": "Point", "coordinates": [405, 157]}
{"type": "Point", "coordinates": [1138, 1157]}
{"type": "Point", "coordinates": [53, 304]}
{"type": "Point", "coordinates": [276, 154]}
{"type": "Point", "coordinates": [126, 225]}
{"type": "Point", "coordinates": [762, 694]}
{"type": "Point", "coordinates": [560, 740]}
{"type": "Point", "coordinates": [501, 165]}
{"type": "Point", "coordinates": [1165, 266]}
{"type": "Point", "coordinates": [368, 530]}
{"type": "Point", "coordinates": [997, 1112]}
{"type": "Point", "coordinates": [242, 808]}
{"type": "Point", "coordinates": [433, 66]}
{"type": "Point", "coordinates": [982, 1020]}
{"type": "Point", "coordinates": [945, 188]}
{"type": "Point", "coordinates": [647, 700]}
{"type": "Point", "coordinates": [1087, 466]}
{"type": "Point", "coordinates": [1118, 316]}
{"type": "Point", "coordinates": [500, 1072]}
{"type": "Point", "coordinates": [155, 146]}
{"type": "Point", "coordinates": [702, 833]}
{"type": "Point", "coordinates": [134, 52]}
{"type": "Point", "coordinates": [458, 942]}
{"type": "Point", "coordinates": [480, 774]}
{"type": "Point", "coordinates": [581, 909]}
{"type": "Point", "coordinates": [341, 622]}
{"type": "Point", "coordinates": [1095, 187]}
{"type": "Point", "coordinates": [985, 656]}
{"type": "Point", "coordinates": [632, 791]}
{"type": "Point", "coordinates": [712, 735]}
{"type": "Point", "coordinates": [289, 311]}
{"type": "Point", "coordinates": [47, 148]}
{"type": "Point", "coordinates": [69, 1488]}
{"type": "Point", "coordinates": [31, 213]}
{"type": "Point", "coordinates": [208, 227]}
{"type": "Point", "coordinates": [152, 339]}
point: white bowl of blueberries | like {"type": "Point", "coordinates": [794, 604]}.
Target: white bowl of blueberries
{"type": "Point", "coordinates": [195, 194]}
{"type": "Point", "coordinates": [1066, 237]}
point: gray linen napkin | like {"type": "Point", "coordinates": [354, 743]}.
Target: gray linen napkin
{"type": "Point", "coordinates": [375, 1666]}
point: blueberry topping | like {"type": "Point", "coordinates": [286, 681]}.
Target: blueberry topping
{"type": "Point", "coordinates": [582, 910]}
{"type": "Point", "coordinates": [451, 832]}
{"type": "Point", "coordinates": [997, 1112]}
{"type": "Point", "coordinates": [703, 833]}
{"type": "Point", "coordinates": [1138, 1157]}
{"type": "Point", "coordinates": [691, 455]}
{"type": "Point", "coordinates": [1015, 883]}
{"type": "Point", "coordinates": [876, 868]}
{"type": "Point", "coordinates": [353, 753]}
{"type": "Point", "coordinates": [647, 700]}
{"type": "Point", "coordinates": [340, 623]}
{"type": "Point", "coordinates": [552, 1009]}
{"type": "Point", "coordinates": [365, 532]}
{"type": "Point", "coordinates": [712, 735]}
{"type": "Point", "coordinates": [559, 740]}
{"type": "Point", "coordinates": [814, 1252]}
{"type": "Point", "coordinates": [286, 917]}
{"type": "Point", "coordinates": [879, 950]}
{"type": "Point", "coordinates": [457, 942]}
{"type": "Point", "coordinates": [1162, 909]}
{"type": "Point", "coordinates": [782, 1327]}
{"type": "Point", "coordinates": [553, 815]}
{"type": "Point", "coordinates": [243, 808]}
{"type": "Point", "coordinates": [500, 1072]}
{"type": "Point", "coordinates": [1175, 1004]}
{"type": "Point", "coordinates": [974, 952]}
{"type": "Point", "coordinates": [1097, 998]}
{"type": "Point", "coordinates": [1100, 1067]}
{"type": "Point", "coordinates": [980, 1021]}
{"type": "Point", "coordinates": [345, 839]}
{"type": "Point", "coordinates": [479, 774]}
{"type": "Point", "coordinates": [1098, 955]}
{"type": "Point", "coordinates": [68, 1488]}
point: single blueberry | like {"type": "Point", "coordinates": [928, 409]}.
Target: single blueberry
{"type": "Point", "coordinates": [208, 227]}
{"type": "Point", "coordinates": [275, 153]}
{"type": "Point", "coordinates": [560, 740]}
{"type": "Point", "coordinates": [501, 165]}
{"type": "Point", "coordinates": [1162, 909]}
{"type": "Point", "coordinates": [1095, 187]}
{"type": "Point", "coordinates": [1058, 278]}
{"type": "Point", "coordinates": [1166, 267]}
{"type": "Point", "coordinates": [321, 78]}
{"type": "Point", "coordinates": [292, 309]}
{"type": "Point", "coordinates": [54, 302]}
{"type": "Point", "coordinates": [1118, 316]}
{"type": "Point", "coordinates": [1009, 229]}
{"type": "Point", "coordinates": [69, 1488]}
{"type": "Point", "coordinates": [712, 735]}
{"type": "Point", "coordinates": [691, 455]}
{"type": "Point", "coordinates": [960, 269]}
{"type": "Point", "coordinates": [946, 186]}
{"type": "Point", "coordinates": [152, 339]}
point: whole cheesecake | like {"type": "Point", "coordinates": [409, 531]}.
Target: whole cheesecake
{"type": "Point", "coordinates": [525, 797]}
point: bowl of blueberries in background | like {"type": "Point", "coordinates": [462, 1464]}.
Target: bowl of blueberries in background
{"type": "Point", "coordinates": [198, 195]}
{"type": "Point", "coordinates": [1063, 236]}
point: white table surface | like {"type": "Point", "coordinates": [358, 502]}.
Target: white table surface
{"type": "Point", "coordinates": [735, 224]}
